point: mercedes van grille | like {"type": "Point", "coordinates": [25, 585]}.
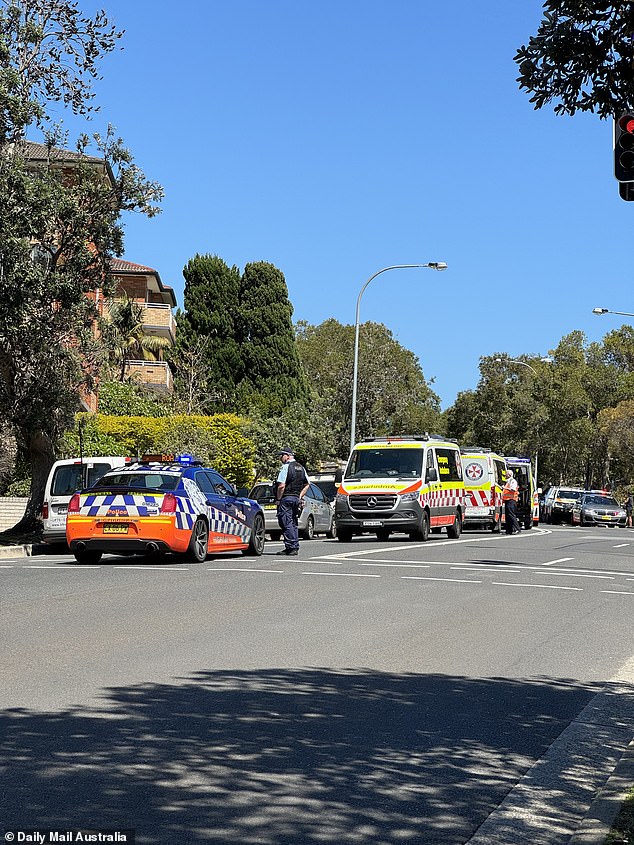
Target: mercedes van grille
{"type": "Point", "coordinates": [372, 501]}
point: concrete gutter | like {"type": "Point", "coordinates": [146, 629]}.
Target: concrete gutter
{"type": "Point", "coordinates": [16, 551]}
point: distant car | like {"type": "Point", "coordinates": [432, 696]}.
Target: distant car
{"type": "Point", "coordinates": [152, 507]}
{"type": "Point", "coordinates": [317, 517]}
{"type": "Point", "coordinates": [558, 504]}
{"type": "Point", "coordinates": [598, 509]}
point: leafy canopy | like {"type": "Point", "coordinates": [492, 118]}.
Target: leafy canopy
{"type": "Point", "coordinates": [581, 57]}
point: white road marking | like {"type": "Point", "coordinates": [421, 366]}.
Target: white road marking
{"type": "Point", "coordinates": [154, 568]}
{"type": "Point", "coordinates": [236, 569]}
{"type": "Point", "coordinates": [536, 586]}
{"type": "Point", "coordinates": [621, 546]}
{"type": "Point", "coordinates": [578, 575]}
{"type": "Point", "coordinates": [617, 593]}
{"type": "Point", "coordinates": [559, 560]}
{"type": "Point", "coordinates": [390, 565]}
{"type": "Point", "coordinates": [535, 532]}
{"type": "Point", "coordinates": [343, 574]}
{"type": "Point", "coordinates": [499, 571]}
{"type": "Point", "coordinates": [429, 578]}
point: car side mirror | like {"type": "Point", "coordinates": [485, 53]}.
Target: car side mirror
{"type": "Point", "coordinates": [432, 475]}
{"type": "Point", "coordinates": [338, 476]}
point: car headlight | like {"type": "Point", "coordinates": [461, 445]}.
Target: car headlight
{"type": "Point", "coordinates": [410, 497]}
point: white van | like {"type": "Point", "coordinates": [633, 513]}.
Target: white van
{"type": "Point", "coordinates": [65, 478]}
{"type": "Point", "coordinates": [484, 477]}
{"type": "Point", "coordinates": [401, 484]}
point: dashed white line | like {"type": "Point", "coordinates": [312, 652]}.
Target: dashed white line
{"type": "Point", "coordinates": [617, 593]}
{"type": "Point", "coordinates": [429, 578]}
{"type": "Point", "coordinates": [559, 560]}
{"type": "Point", "coordinates": [236, 569]}
{"type": "Point", "coordinates": [537, 586]}
{"type": "Point", "coordinates": [621, 546]}
{"type": "Point", "coordinates": [342, 574]}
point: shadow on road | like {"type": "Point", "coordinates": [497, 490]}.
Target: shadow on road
{"type": "Point", "coordinates": [286, 757]}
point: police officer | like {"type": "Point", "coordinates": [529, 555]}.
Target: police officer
{"type": "Point", "coordinates": [292, 484]}
{"type": "Point", "coordinates": [510, 495]}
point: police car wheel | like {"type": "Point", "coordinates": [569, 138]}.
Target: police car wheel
{"type": "Point", "coordinates": [258, 539]}
{"type": "Point", "coordinates": [198, 543]}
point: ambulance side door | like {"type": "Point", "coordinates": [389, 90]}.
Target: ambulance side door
{"type": "Point", "coordinates": [432, 481]}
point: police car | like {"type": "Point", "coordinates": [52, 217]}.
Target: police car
{"type": "Point", "coordinates": [163, 505]}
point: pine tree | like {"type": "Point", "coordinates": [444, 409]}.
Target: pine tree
{"type": "Point", "coordinates": [211, 306]}
{"type": "Point", "coordinates": [273, 376]}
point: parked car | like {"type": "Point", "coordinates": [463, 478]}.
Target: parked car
{"type": "Point", "coordinates": [65, 478]}
{"type": "Point", "coordinates": [558, 504]}
{"type": "Point", "coordinates": [598, 509]}
{"type": "Point", "coordinates": [152, 507]}
{"type": "Point", "coordinates": [317, 517]}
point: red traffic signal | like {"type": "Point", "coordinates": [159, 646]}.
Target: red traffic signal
{"type": "Point", "coordinates": [624, 147]}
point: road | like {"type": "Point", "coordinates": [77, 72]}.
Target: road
{"type": "Point", "coordinates": [368, 692]}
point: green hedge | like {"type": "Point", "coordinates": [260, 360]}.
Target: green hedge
{"type": "Point", "coordinates": [219, 441]}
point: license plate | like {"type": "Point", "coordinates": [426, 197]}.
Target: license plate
{"type": "Point", "coordinates": [62, 511]}
{"type": "Point", "coordinates": [115, 528]}
{"type": "Point", "coordinates": [606, 517]}
{"type": "Point", "coordinates": [270, 507]}
{"type": "Point", "coordinates": [374, 522]}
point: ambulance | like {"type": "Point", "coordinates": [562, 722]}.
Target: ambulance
{"type": "Point", "coordinates": [401, 484]}
{"type": "Point", "coordinates": [484, 476]}
{"type": "Point", "coordinates": [528, 502]}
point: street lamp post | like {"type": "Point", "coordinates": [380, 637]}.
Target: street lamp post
{"type": "Point", "coordinates": [607, 311]}
{"type": "Point", "coordinates": [432, 265]}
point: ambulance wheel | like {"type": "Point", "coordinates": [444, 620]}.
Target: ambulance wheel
{"type": "Point", "coordinates": [275, 535]}
{"type": "Point", "coordinates": [88, 557]}
{"type": "Point", "coordinates": [344, 536]}
{"type": "Point", "coordinates": [421, 533]}
{"type": "Point", "coordinates": [257, 541]}
{"type": "Point", "coordinates": [197, 551]}
{"type": "Point", "coordinates": [497, 525]}
{"type": "Point", "coordinates": [528, 523]}
{"type": "Point", "coordinates": [383, 535]}
{"type": "Point", "coordinates": [454, 530]}
{"type": "Point", "coordinates": [436, 530]}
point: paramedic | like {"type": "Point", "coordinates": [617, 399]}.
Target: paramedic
{"type": "Point", "coordinates": [510, 495]}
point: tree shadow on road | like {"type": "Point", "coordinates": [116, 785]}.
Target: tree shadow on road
{"type": "Point", "coordinates": [286, 757]}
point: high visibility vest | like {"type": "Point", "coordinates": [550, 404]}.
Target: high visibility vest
{"type": "Point", "coordinates": [510, 493]}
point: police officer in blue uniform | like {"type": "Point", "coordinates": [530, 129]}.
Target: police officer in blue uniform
{"type": "Point", "coordinates": [292, 484]}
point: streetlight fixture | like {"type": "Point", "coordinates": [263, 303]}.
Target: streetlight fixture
{"type": "Point", "coordinates": [432, 265]}
{"type": "Point", "coordinates": [607, 311]}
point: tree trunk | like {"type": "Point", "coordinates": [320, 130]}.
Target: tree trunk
{"type": "Point", "coordinates": [42, 458]}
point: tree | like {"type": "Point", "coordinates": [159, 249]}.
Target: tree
{"type": "Point", "coordinates": [59, 223]}
{"type": "Point", "coordinates": [272, 375]}
{"type": "Point", "coordinates": [211, 298]}
{"type": "Point", "coordinates": [393, 396]}
{"type": "Point", "coordinates": [123, 333]}
{"type": "Point", "coordinates": [582, 57]}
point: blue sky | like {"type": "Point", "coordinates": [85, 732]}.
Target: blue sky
{"type": "Point", "coordinates": [337, 138]}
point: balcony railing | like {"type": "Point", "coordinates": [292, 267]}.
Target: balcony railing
{"type": "Point", "coordinates": [154, 374]}
{"type": "Point", "coordinates": [159, 318]}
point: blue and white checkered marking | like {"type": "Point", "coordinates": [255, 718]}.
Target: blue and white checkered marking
{"type": "Point", "coordinates": [127, 504]}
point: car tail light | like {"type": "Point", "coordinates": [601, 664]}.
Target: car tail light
{"type": "Point", "coordinates": [73, 505]}
{"type": "Point", "coordinates": [45, 510]}
{"type": "Point", "coordinates": [169, 503]}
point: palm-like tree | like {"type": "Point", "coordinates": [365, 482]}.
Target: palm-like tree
{"type": "Point", "coordinates": [124, 335]}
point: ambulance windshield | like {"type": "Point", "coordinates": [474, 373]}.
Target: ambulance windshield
{"type": "Point", "coordinates": [381, 463]}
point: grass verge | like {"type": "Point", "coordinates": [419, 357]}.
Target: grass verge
{"type": "Point", "coordinates": [623, 828]}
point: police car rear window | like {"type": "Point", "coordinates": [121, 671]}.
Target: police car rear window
{"type": "Point", "coordinates": [139, 481]}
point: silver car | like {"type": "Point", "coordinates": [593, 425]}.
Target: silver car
{"type": "Point", "coordinates": [317, 517]}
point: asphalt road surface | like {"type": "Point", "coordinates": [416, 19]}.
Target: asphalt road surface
{"type": "Point", "coordinates": [399, 692]}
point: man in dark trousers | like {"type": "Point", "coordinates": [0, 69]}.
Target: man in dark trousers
{"type": "Point", "coordinates": [510, 495]}
{"type": "Point", "coordinates": [292, 484]}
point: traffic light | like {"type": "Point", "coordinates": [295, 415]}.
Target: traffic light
{"type": "Point", "coordinates": [624, 147]}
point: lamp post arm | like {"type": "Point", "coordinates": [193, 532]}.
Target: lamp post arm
{"type": "Point", "coordinates": [355, 372]}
